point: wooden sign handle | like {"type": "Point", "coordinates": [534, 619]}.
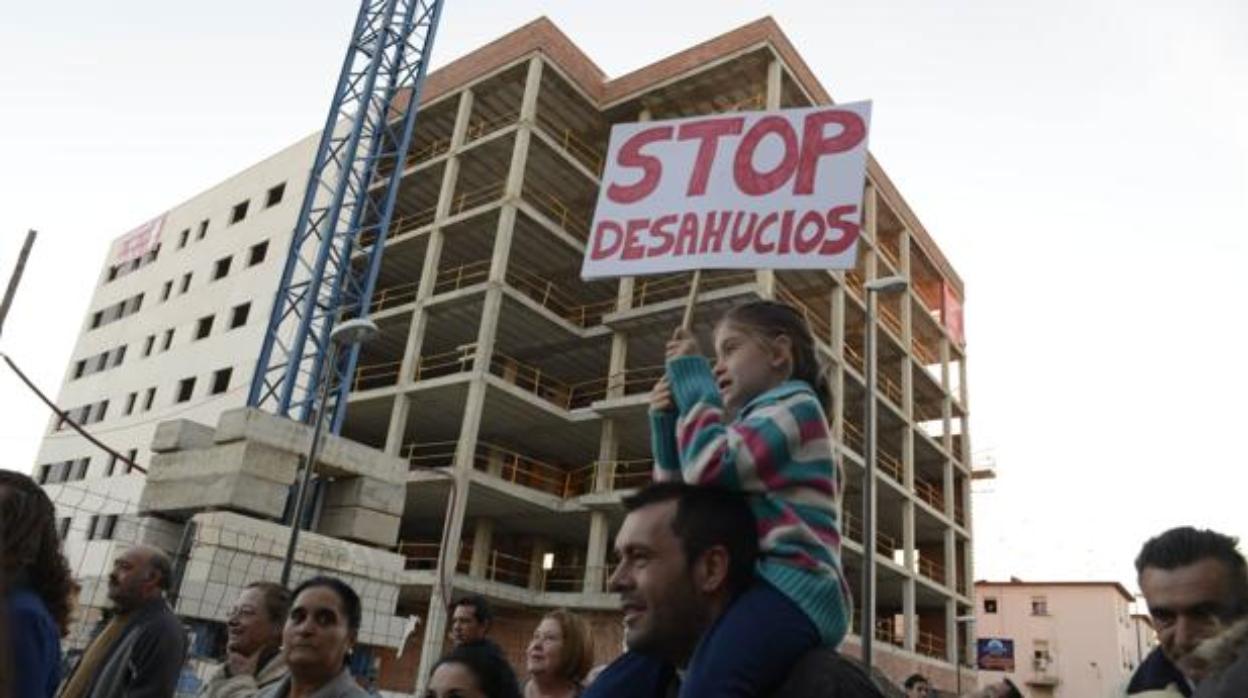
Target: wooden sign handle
{"type": "Point", "coordinates": [687, 321]}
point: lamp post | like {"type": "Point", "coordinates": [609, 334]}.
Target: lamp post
{"type": "Point", "coordinates": [346, 334]}
{"type": "Point", "coordinates": [957, 662]}
{"type": "Point", "coordinates": [888, 285]}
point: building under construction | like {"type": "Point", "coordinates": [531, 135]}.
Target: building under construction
{"type": "Point", "coordinates": [517, 393]}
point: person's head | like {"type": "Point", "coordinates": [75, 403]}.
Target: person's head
{"type": "Point", "coordinates": [140, 574]}
{"type": "Point", "coordinates": [258, 617]}
{"type": "Point", "coordinates": [561, 647]}
{"type": "Point", "coordinates": [470, 619]}
{"type": "Point", "coordinates": [1195, 583]}
{"type": "Point", "coordinates": [761, 344]}
{"type": "Point", "coordinates": [917, 686]}
{"type": "Point", "coordinates": [321, 629]}
{"type": "Point", "coordinates": [30, 550]}
{"type": "Point", "coordinates": [473, 671]}
{"type": "Point", "coordinates": [684, 553]}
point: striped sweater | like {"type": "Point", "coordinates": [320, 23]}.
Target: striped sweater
{"type": "Point", "coordinates": [779, 453]}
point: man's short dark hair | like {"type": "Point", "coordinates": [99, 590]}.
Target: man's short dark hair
{"type": "Point", "coordinates": [346, 595]}
{"type": "Point", "coordinates": [163, 567]}
{"type": "Point", "coordinates": [493, 674]}
{"type": "Point", "coordinates": [706, 517]}
{"type": "Point", "coordinates": [1186, 545]}
{"type": "Point", "coordinates": [480, 608]}
{"type": "Point", "coordinates": [915, 680]}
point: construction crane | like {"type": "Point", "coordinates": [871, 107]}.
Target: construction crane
{"type": "Point", "coordinates": [365, 141]}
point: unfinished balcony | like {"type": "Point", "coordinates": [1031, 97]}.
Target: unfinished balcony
{"type": "Point", "coordinates": [569, 122]}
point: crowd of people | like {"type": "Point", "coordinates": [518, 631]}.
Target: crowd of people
{"type": "Point", "coordinates": [729, 575]}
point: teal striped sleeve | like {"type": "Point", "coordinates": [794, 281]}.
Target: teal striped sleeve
{"type": "Point", "coordinates": [663, 445]}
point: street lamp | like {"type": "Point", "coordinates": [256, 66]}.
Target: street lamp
{"type": "Point", "coordinates": [886, 285]}
{"type": "Point", "coordinates": [346, 334]}
{"type": "Point", "coordinates": [957, 662]}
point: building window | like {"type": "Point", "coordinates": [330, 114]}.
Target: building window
{"type": "Point", "coordinates": [221, 268]}
{"type": "Point", "coordinates": [238, 316]}
{"type": "Point", "coordinates": [112, 274]}
{"type": "Point", "coordinates": [186, 388]}
{"type": "Point", "coordinates": [186, 283]}
{"type": "Point", "coordinates": [221, 380]}
{"type": "Point", "coordinates": [166, 290]}
{"type": "Point", "coordinates": [119, 355]}
{"type": "Point", "coordinates": [164, 346]}
{"type": "Point", "coordinates": [101, 362]}
{"type": "Point", "coordinates": [62, 526]}
{"type": "Point", "coordinates": [203, 229]}
{"type": "Point", "coordinates": [1039, 606]}
{"type": "Point", "coordinates": [258, 251]}
{"type": "Point", "coordinates": [239, 212]}
{"type": "Point", "coordinates": [80, 468]}
{"type": "Point", "coordinates": [97, 318]}
{"type": "Point", "coordinates": [183, 237]}
{"type": "Point", "coordinates": [130, 400]}
{"type": "Point", "coordinates": [149, 399]}
{"type": "Point", "coordinates": [990, 605]}
{"type": "Point", "coordinates": [274, 196]}
{"type": "Point", "coordinates": [102, 527]}
{"type": "Point", "coordinates": [79, 368]}
{"type": "Point", "coordinates": [132, 454]}
{"type": "Point", "coordinates": [112, 465]}
{"type": "Point", "coordinates": [147, 344]}
{"type": "Point", "coordinates": [203, 328]}
{"type": "Point", "coordinates": [45, 471]}
{"type": "Point", "coordinates": [101, 409]}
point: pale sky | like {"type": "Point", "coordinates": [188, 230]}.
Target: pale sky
{"type": "Point", "coordinates": [1084, 166]}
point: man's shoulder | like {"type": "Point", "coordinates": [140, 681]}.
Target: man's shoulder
{"type": "Point", "coordinates": [633, 674]}
{"type": "Point", "coordinates": [825, 673]}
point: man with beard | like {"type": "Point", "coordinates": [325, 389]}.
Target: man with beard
{"type": "Point", "coordinates": [1196, 586]}
{"type": "Point", "coordinates": [139, 653]}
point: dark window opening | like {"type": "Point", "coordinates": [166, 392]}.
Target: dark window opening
{"type": "Point", "coordinates": [258, 251]}
{"type": "Point", "coordinates": [186, 388]}
{"type": "Point", "coordinates": [221, 380]}
{"type": "Point", "coordinates": [274, 196]}
{"type": "Point", "coordinates": [238, 317]}
{"type": "Point", "coordinates": [239, 212]}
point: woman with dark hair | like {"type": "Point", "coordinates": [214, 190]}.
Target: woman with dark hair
{"type": "Point", "coordinates": [318, 638]}
{"type": "Point", "coordinates": [253, 653]}
{"type": "Point", "coordinates": [473, 670]}
{"type": "Point", "coordinates": [38, 588]}
{"type": "Point", "coordinates": [559, 656]}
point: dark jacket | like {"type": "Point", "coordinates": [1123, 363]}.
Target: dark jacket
{"type": "Point", "coordinates": [147, 659]}
{"type": "Point", "coordinates": [343, 686]}
{"type": "Point", "coordinates": [36, 642]}
{"type": "Point", "coordinates": [1157, 674]}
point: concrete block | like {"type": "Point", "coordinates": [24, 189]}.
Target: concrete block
{"type": "Point", "coordinates": [237, 491]}
{"type": "Point", "coordinates": [362, 525]}
{"type": "Point", "coordinates": [366, 493]}
{"type": "Point", "coordinates": [241, 457]}
{"type": "Point", "coordinates": [338, 457]}
{"type": "Point", "coordinates": [181, 435]}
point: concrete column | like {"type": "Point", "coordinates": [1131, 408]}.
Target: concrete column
{"type": "Point", "coordinates": [911, 623]}
{"type": "Point", "coordinates": [951, 632]}
{"type": "Point", "coordinates": [910, 561]}
{"type": "Point", "coordinates": [596, 553]}
{"type": "Point", "coordinates": [396, 429]}
{"type": "Point", "coordinates": [482, 544]}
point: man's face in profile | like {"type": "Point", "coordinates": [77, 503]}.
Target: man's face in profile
{"type": "Point", "coordinates": [1188, 605]}
{"type": "Point", "coordinates": [663, 615]}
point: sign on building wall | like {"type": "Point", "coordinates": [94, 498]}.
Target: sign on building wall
{"type": "Point", "coordinates": [759, 190]}
{"type": "Point", "coordinates": [139, 241]}
{"type": "Point", "coordinates": [995, 654]}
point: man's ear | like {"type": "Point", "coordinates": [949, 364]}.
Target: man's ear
{"type": "Point", "coordinates": [710, 573]}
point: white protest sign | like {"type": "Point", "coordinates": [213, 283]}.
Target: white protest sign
{"type": "Point", "coordinates": [758, 190]}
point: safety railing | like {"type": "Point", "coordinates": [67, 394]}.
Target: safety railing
{"type": "Point", "coordinates": [884, 544]}
{"type": "Point", "coordinates": [924, 412]}
{"type": "Point", "coordinates": [854, 357]}
{"type": "Point", "coordinates": [931, 569]}
{"type": "Point", "coordinates": [925, 356]}
{"type": "Point", "coordinates": [508, 569]}
{"type": "Point", "coordinates": [539, 382]}
{"type": "Point", "coordinates": [445, 363]}
{"type": "Point", "coordinates": [889, 464]}
{"type": "Point", "coordinates": [888, 253]}
{"type": "Point", "coordinates": [532, 473]}
{"type": "Point", "coordinates": [930, 493]}
{"type": "Point", "coordinates": [419, 556]}
{"type": "Point", "coordinates": [656, 289]}
{"type": "Point", "coordinates": [630, 381]}
{"type": "Point", "coordinates": [378, 375]}
{"type": "Point", "coordinates": [890, 318]}
{"type": "Point", "coordinates": [931, 644]}
{"type": "Point", "coordinates": [461, 202]}
{"type": "Point", "coordinates": [959, 514]}
{"type": "Point", "coordinates": [856, 284]}
{"type": "Point", "coordinates": [394, 296]}
{"type": "Point", "coordinates": [929, 295]}
{"type": "Point", "coordinates": [428, 151]}
{"type": "Point", "coordinates": [890, 388]}
{"type": "Point", "coordinates": [819, 325]}
{"type": "Point", "coordinates": [556, 299]}
{"type": "Point", "coordinates": [461, 276]}
{"type": "Point", "coordinates": [754, 102]}
{"type": "Point", "coordinates": [572, 144]}
{"type": "Point", "coordinates": [571, 220]}
{"type": "Point", "coordinates": [430, 454]}
{"type": "Point", "coordinates": [854, 437]}
{"type": "Point", "coordinates": [629, 474]}
{"type": "Point", "coordinates": [480, 127]}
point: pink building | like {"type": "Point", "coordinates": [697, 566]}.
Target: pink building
{"type": "Point", "coordinates": [1059, 639]}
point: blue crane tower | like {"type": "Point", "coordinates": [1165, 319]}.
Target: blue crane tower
{"type": "Point", "coordinates": [365, 142]}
